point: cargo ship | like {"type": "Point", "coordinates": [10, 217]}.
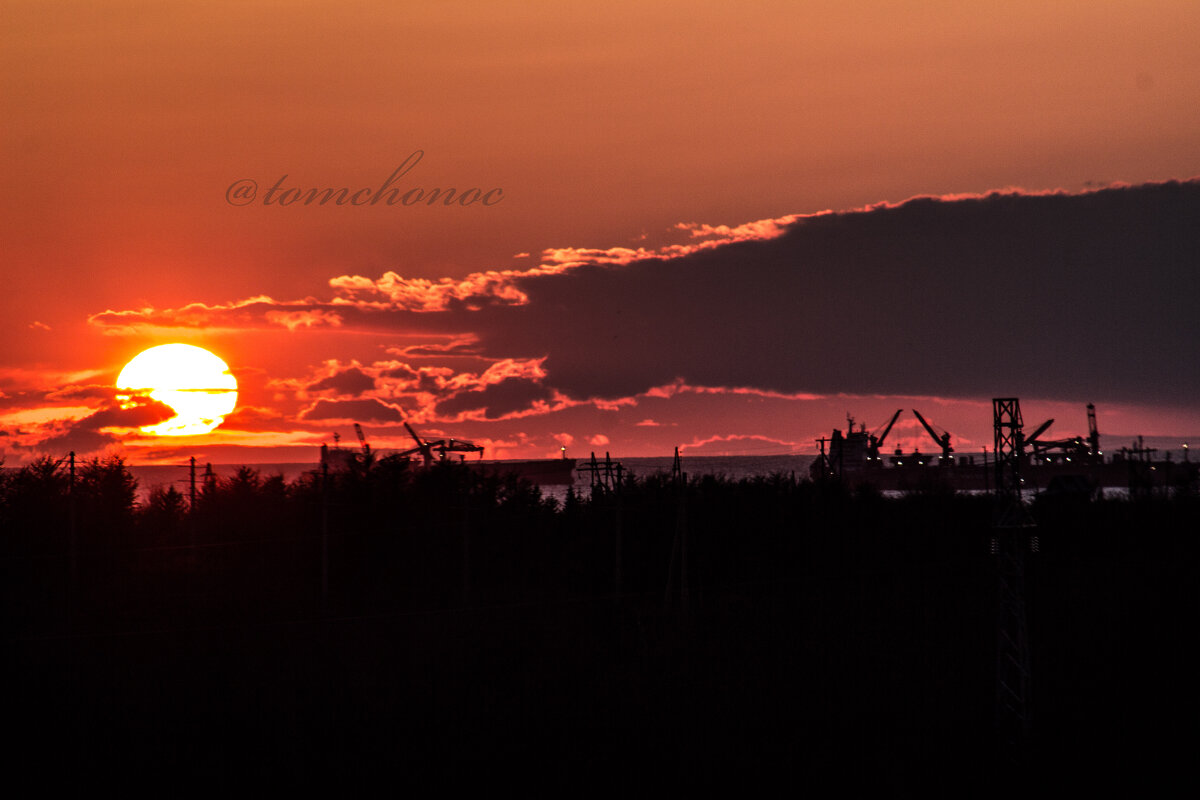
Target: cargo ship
{"type": "Point", "coordinates": [1075, 465]}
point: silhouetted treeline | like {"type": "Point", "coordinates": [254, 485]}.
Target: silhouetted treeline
{"type": "Point", "coordinates": [390, 617]}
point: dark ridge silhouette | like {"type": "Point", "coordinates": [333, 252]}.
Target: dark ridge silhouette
{"type": "Point", "coordinates": [427, 623]}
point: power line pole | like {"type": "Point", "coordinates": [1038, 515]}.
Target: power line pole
{"type": "Point", "coordinates": [612, 477]}
{"type": "Point", "coordinates": [605, 479]}
{"type": "Point", "coordinates": [324, 538]}
{"type": "Point", "coordinates": [679, 547]}
{"type": "Point", "coordinates": [1011, 526]}
{"type": "Point", "coordinates": [72, 544]}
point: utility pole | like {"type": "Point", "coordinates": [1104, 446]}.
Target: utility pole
{"type": "Point", "coordinates": [606, 483]}
{"type": "Point", "coordinates": [618, 558]}
{"type": "Point", "coordinates": [71, 501]}
{"type": "Point", "coordinates": [827, 469]}
{"type": "Point", "coordinates": [324, 538]}
{"type": "Point", "coordinates": [679, 547]}
{"type": "Point", "coordinates": [72, 543]}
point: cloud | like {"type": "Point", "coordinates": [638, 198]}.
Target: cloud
{"type": "Point", "coordinates": [739, 444]}
{"type": "Point", "coordinates": [77, 440]}
{"type": "Point", "coordinates": [399, 371]}
{"type": "Point", "coordinates": [397, 377]}
{"type": "Point", "coordinates": [82, 392]}
{"type": "Point", "coordinates": [306, 318]}
{"type": "Point", "coordinates": [504, 287]}
{"type": "Point", "coordinates": [467, 347]}
{"type": "Point", "coordinates": [1062, 296]}
{"type": "Point", "coordinates": [247, 417]}
{"type": "Point", "coordinates": [510, 368]}
{"type": "Point", "coordinates": [260, 312]}
{"type": "Point", "coordinates": [142, 411]}
{"type": "Point", "coordinates": [497, 400]}
{"type": "Point", "coordinates": [678, 386]}
{"type": "Point", "coordinates": [391, 291]}
{"type": "Point", "coordinates": [89, 434]}
{"type": "Point", "coordinates": [348, 382]}
{"type": "Point", "coordinates": [353, 411]}
{"type": "Point", "coordinates": [361, 301]}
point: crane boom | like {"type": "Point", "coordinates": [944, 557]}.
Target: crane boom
{"type": "Point", "coordinates": [928, 428]}
{"type": "Point", "coordinates": [942, 441]}
{"type": "Point", "coordinates": [442, 446]}
{"type": "Point", "coordinates": [888, 429]}
{"type": "Point", "coordinates": [423, 448]}
{"type": "Point", "coordinates": [362, 439]}
{"type": "Point", "coordinates": [1040, 430]}
{"type": "Point", "coordinates": [413, 434]}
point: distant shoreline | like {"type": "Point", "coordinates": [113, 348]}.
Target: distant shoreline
{"type": "Point", "coordinates": [150, 476]}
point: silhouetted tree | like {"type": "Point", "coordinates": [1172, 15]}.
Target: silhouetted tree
{"type": "Point", "coordinates": [35, 507]}
{"type": "Point", "coordinates": [164, 514]}
{"type": "Point", "coordinates": [105, 496]}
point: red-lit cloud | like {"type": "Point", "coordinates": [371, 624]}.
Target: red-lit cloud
{"type": "Point", "coordinates": [348, 382]}
{"type": "Point", "coordinates": [1032, 293]}
{"type": "Point", "coordinates": [96, 430]}
{"type": "Point", "coordinates": [353, 410]}
{"type": "Point", "coordinates": [742, 443]}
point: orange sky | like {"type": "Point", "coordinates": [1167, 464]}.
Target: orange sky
{"type": "Point", "coordinates": [605, 126]}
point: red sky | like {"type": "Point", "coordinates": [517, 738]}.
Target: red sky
{"type": "Point", "coordinates": [614, 133]}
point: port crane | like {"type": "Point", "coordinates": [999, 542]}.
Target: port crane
{"type": "Point", "coordinates": [874, 443]}
{"type": "Point", "coordinates": [1032, 439]}
{"type": "Point", "coordinates": [345, 460]}
{"type": "Point", "coordinates": [426, 448]}
{"type": "Point", "coordinates": [1052, 450]}
{"type": "Point", "coordinates": [942, 439]}
{"type": "Point", "coordinates": [1086, 450]}
{"type": "Point", "coordinates": [362, 440]}
{"type": "Point", "coordinates": [1039, 449]}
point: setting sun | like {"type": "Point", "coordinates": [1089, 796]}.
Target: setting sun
{"type": "Point", "coordinates": [196, 384]}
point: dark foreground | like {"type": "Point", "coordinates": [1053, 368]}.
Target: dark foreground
{"type": "Point", "coordinates": [465, 630]}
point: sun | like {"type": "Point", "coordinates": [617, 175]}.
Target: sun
{"type": "Point", "coordinates": [196, 384]}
